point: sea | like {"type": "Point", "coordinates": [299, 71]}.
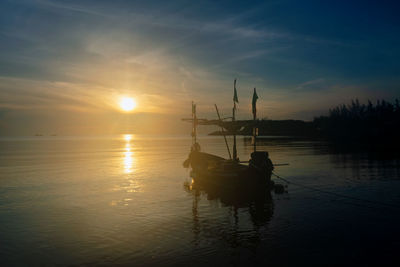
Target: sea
{"type": "Point", "coordinates": [126, 200]}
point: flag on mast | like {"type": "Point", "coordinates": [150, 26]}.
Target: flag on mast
{"type": "Point", "coordinates": [235, 97]}
{"type": "Point", "coordinates": [253, 103]}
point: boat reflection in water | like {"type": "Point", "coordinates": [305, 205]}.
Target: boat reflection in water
{"type": "Point", "coordinates": [237, 229]}
{"type": "Point", "coordinates": [258, 201]}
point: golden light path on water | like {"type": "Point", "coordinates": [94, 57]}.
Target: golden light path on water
{"type": "Point", "coordinates": [128, 154]}
{"type": "Point", "coordinates": [128, 183]}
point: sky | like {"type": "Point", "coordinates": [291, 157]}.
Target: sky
{"type": "Point", "coordinates": [64, 65]}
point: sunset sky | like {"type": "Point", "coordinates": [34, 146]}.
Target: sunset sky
{"type": "Point", "coordinates": [65, 65]}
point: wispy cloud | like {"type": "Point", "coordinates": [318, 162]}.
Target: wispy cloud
{"type": "Point", "coordinates": [82, 55]}
{"type": "Point", "coordinates": [315, 84]}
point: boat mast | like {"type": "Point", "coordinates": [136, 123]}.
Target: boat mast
{"type": "Point", "coordinates": [254, 110]}
{"type": "Point", "coordinates": [255, 131]}
{"type": "Point", "coordinates": [235, 99]}
{"type": "Point", "coordinates": [223, 132]}
{"type": "Point", "coordinates": [194, 125]}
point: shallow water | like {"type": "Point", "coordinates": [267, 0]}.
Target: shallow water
{"type": "Point", "coordinates": [127, 200]}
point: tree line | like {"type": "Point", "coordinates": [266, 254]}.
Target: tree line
{"type": "Point", "coordinates": [357, 122]}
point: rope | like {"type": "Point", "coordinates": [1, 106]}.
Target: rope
{"type": "Point", "coordinates": [338, 194]}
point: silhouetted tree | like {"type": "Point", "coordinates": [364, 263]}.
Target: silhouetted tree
{"type": "Point", "coordinates": [362, 122]}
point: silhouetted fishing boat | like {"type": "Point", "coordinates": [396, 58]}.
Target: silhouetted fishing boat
{"type": "Point", "coordinates": [229, 172]}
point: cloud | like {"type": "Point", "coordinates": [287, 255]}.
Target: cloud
{"type": "Point", "coordinates": [81, 56]}
{"type": "Point", "coordinates": [316, 84]}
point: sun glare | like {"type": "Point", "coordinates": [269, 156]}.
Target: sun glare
{"type": "Point", "coordinates": [127, 103]}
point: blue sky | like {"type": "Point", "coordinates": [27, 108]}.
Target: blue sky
{"type": "Point", "coordinates": [71, 60]}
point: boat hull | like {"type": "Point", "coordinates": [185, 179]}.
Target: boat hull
{"type": "Point", "coordinates": [208, 168]}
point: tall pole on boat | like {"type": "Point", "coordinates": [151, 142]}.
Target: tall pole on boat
{"type": "Point", "coordinates": [235, 100]}
{"type": "Point", "coordinates": [234, 135]}
{"type": "Point", "coordinates": [223, 132]}
{"type": "Point", "coordinates": [254, 110]}
{"type": "Point", "coordinates": [194, 125]}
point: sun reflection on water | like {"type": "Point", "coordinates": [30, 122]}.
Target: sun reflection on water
{"type": "Point", "coordinates": [128, 154]}
{"type": "Point", "coordinates": [128, 159]}
{"type": "Point", "coordinates": [128, 183]}
{"type": "Point", "coordinates": [128, 137]}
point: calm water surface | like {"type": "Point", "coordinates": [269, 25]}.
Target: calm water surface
{"type": "Point", "coordinates": [127, 200]}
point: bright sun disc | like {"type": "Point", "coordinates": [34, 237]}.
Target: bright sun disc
{"type": "Point", "coordinates": [127, 103]}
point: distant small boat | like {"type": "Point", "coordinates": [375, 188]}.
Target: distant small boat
{"type": "Point", "coordinates": [228, 172]}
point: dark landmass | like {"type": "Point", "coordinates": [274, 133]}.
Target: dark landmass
{"type": "Point", "coordinates": [353, 124]}
{"type": "Point", "coordinates": [361, 122]}
{"type": "Point", "coordinates": [276, 128]}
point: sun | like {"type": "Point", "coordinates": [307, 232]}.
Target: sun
{"type": "Point", "coordinates": [127, 103]}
